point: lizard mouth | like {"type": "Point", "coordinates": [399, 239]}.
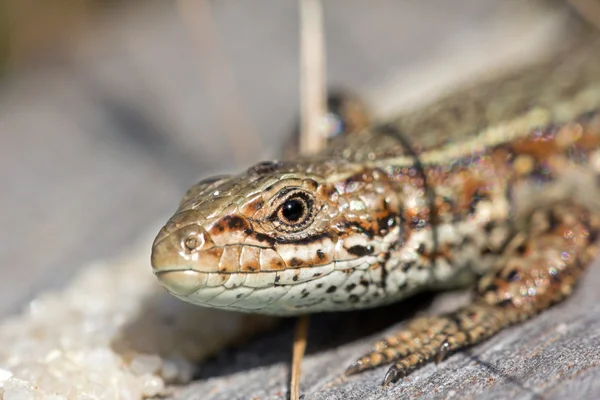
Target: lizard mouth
{"type": "Point", "coordinates": [294, 291]}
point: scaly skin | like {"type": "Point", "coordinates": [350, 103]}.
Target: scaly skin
{"type": "Point", "coordinates": [496, 183]}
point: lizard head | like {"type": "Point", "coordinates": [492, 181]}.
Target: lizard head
{"type": "Point", "coordinates": [281, 238]}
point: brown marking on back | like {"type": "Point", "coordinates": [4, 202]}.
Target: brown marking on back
{"type": "Point", "coordinates": [540, 144]}
{"type": "Point", "coordinates": [473, 188]}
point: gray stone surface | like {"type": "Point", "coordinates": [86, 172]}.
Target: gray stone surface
{"type": "Point", "coordinates": [97, 147]}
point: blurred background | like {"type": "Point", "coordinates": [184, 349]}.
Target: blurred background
{"type": "Point", "coordinates": [109, 110]}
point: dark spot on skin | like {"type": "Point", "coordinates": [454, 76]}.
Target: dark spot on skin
{"type": "Point", "coordinates": [489, 227]}
{"type": "Point", "coordinates": [421, 249]}
{"type": "Point", "coordinates": [491, 287]}
{"type": "Point", "coordinates": [364, 283]}
{"type": "Point", "coordinates": [235, 222]}
{"type": "Point", "coordinates": [294, 262]}
{"type": "Point", "coordinates": [505, 303]}
{"type": "Point", "coordinates": [311, 184]}
{"type": "Point", "coordinates": [295, 278]}
{"type": "Point", "coordinates": [593, 235]}
{"type": "Point", "coordinates": [466, 240]}
{"type": "Point", "coordinates": [219, 227]}
{"type": "Point", "coordinates": [421, 267]}
{"type": "Point", "coordinates": [358, 228]}
{"type": "Point", "coordinates": [353, 299]}
{"type": "Point", "coordinates": [277, 278]}
{"type": "Point", "coordinates": [350, 287]}
{"type": "Point", "coordinates": [353, 179]}
{"type": "Point", "coordinates": [317, 274]}
{"type": "Point", "coordinates": [554, 276]}
{"type": "Point", "coordinates": [239, 296]}
{"type": "Point", "coordinates": [385, 224]}
{"type": "Point", "coordinates": [384, 270]}
{"type": "Point", "coordinates": [512, 275]}
{"type": "Point", "coordinates": [331, 289]}
{"type": "Point", "coordinates": [320, 254]}
{"type": "Point", "coordinates": [258, 204]}
{"type": "Point", "coordinates": [319, 285]}
{"type": "Point", "coordinates": [418, 223]}
{"type": "Point", "coordinates": [521, 249]}
{"type": "Point", "coordinates": [553, 221]}
{"type": "Point", "coordinates": [408, 266]}
{"type": "Point", "coordinates": [305, 295]}
{"type": "Point", "coordinates": [250, 268]}
{"type": "Point", "coordinates": [385, 205]}
{"type": "Point", "coordinates": [261, 237]}
{"type": "Point", "coordinates": [478, 196]}
{"type": "Point", "coordinates": [487, 251]}
{"type": "Point", "coordinates": [360, 251]}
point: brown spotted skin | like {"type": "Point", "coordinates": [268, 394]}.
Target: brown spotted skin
{"type": "Point", "coordinates": [495, 186]}
{"type": "Point", "coordinates": [540, 269]}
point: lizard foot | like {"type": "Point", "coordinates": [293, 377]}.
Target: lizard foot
{"type": "Point", "coordinates": [540, 269]}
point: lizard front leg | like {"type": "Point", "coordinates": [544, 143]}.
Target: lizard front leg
{"type": "Point", "coordinates": [539, 268]}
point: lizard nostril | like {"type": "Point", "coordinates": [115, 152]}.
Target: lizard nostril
{"type": "Point", "coordinates": [191, 243]}
{"type": "Point", "coordinates": [192, 238]}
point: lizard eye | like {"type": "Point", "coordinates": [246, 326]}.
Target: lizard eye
{"type": "Point", "coordinates": [295, 212]}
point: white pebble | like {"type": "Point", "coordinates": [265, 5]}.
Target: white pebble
{"type": "Point", "coordinates": [152, 385]}
{"type": "Point", "coordinates": [169, 371]}
{"type": "Point", "coordinates": [101, 358]}
{"type": "Point", "coordinates": [18, 389]}
{"type": "Point", "coordinates": [128, 387]}
{"type": "Point", "coordinates": [5, 375]}
{"type": "Point", "coordinates": [145, 364]}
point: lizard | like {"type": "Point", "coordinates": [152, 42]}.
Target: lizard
{"type": "Point", "coordinates": [496, 186]}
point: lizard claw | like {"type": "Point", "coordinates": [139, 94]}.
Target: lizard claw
{"type": "Point", "coordinates": [392, 375]}
{"type": "Point", "coordinates": [443, 351]}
